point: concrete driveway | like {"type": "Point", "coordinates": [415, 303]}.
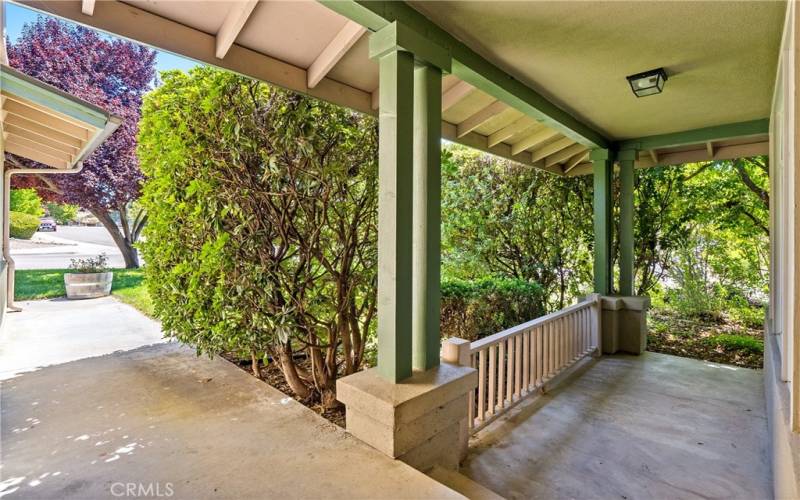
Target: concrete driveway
{"type": "Point", "coordinates": [160, 422]}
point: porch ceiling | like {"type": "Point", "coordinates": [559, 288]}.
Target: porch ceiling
{"type": "Point", "coordinates": [43, 124]}
{"type": "Point", "coordinates": [721, 57]}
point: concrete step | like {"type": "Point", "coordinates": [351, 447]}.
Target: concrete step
{"type": "Point", "coordinates": [463, 484]}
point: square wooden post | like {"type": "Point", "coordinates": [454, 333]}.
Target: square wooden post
{"type": "Point", "coordinates": [602, 168]}
{"type": "Point", "coordinates": [427, 217]}
{"type": "Point", "coordinates": [626, 209]}
{"type": "Point", "coordinates": [395, 170]}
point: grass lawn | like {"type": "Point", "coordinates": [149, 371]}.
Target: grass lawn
{"type": "Point", "coordinates": [36, 284]}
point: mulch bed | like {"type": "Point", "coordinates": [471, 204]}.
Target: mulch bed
{"type": "Point", "coordinates": [670, 333]}
{"type": "Point", "coordinates": [272, 375]}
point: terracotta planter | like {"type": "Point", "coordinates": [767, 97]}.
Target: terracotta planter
{"type": "Point", "coordinates": [88, 285]}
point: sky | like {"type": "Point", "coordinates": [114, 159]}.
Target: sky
{"type": "Point", "coordinates": [16, 17]}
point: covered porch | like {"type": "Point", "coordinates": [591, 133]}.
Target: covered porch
{"type": "Point", "coordinates": [502, 78]}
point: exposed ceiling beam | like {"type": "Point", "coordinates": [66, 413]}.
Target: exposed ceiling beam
{"type": "Point", "coordinates": [575, 160]}
{"type": "Point", "coordinates": [87, 7]}
{"type": "Point", "coordinates": [469, 66]}
{"type": "Point", "coordinates": [693, 156]}
{"type": "Point", "coordinates": [136, 24]}
{"type": "Point", "coordinates": [375, 99]}
{"type": "Point", "coordinates": [551, 148]}
{"type": "Point", "coordinates": [232, 25]}
{"type": "Point", "coordinates": [334, 51]}
{"type": "Point", "coordinates": [564, 154]}
{"type": "Point", "coordinates": [699, 136]}
{"type": "Point", "coordinates": [533, 139]}
{"type": "Point", "coordinates": [454, 94]}
{"type": "Point", "coordinates": [11, 146]}
{"type": "Point", "coordinates": [510, 130]}
{"type": "Point", "coordinates": [481, 117]}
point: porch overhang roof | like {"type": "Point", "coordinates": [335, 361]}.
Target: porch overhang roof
{"type": "Point", "coordinates": [44, 124]}
{"type": "Point", "coordinates": [541, 83]}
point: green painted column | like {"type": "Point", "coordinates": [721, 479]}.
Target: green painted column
{"type": "Point", "coordinates": [626, 182]}
{"type": "Point", "coordinates": [427, 216]}
{"type": "Point", "coordinates": [395, 168]}
{"type": "Point", "coordinates": [603, 170]}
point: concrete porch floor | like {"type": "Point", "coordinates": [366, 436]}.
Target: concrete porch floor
{"type": "Point", "coordinates": [650, 426]}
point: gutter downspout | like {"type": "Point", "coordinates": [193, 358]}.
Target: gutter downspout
{"type": "Point", "coordinates": [111, 125]}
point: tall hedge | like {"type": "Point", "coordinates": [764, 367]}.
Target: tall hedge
{"type": "Point", "coordinates": [262, 231]}
{"type": "Point", "coordinates": [22, 225]}
{"type": "Point", "coordinates": [475, 309]}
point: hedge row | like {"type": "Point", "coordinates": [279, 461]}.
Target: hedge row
{"type": "Point", "coordinates": [23, 225]}
{"type": "Point", "coordinates": [475, 309]}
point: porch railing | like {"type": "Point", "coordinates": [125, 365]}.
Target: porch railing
{"type": "Point", "coordinates": [516, 362]}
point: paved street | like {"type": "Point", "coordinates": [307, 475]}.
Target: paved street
{"type": "Point", "coordinates": [56, 250]}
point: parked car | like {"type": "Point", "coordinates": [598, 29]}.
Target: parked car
{"type": "Point", "coordinates": [47, 224]}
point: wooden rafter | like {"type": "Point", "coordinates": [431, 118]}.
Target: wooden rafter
{"type": "Point", "coordinates": [334, 51]}
{"type": "Point", "coordinates": [479, 118]}
{"type": "Point", "coordinates": [710, 149]}
{"type": "Point", "coordinates": [454, 94]}
{"type": "Point", "coordinates": [18, 109]}
{"type": "Point", "coordinates": [564, 154]}
{"type": "Point", "coordinates": [533, 140]}
{"type": "Point", "coordinates": [654, 155]}
{"type": "Point", "coordinates": [87, 7]}
{"type": "Point", "coordinates": [575, 160]}
{"type": "Point", "coordinates": [551, 148]}
{"type": "Point", "coordinates": [11, 146]}
{"type": "Point", "coordinates": [232, 25]}
{"type": "Point", "coordinates": [511, 130]}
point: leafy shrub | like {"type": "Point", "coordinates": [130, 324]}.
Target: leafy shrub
{"type": "Point", "coordinates": [475, 309]}
{"type": "Point", "coordinates": [97, 264]}
{"type": "Point", "coordinates": [26, 201]}
{"type": "Point", "coordinates": [22, 225]}
{"type": "Point", "coordinates": [731, 342]}
{"type": "Point", "coordinates": [62, 212]}
{"type": "Point", "coordinates": [261, 237]}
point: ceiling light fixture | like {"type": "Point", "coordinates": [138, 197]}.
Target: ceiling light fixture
{"type": "Point", "coordinates": [648, 82]}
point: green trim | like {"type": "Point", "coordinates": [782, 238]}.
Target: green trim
{"type": "Point", "coordinates": [19, 84]}
{"type": "Point", "coordinates": [603, 170]}
{"type": "Point", "coordinates": [397, 36]}
{"type": "Point", "coordinates": [700, 135]}
{"type": "Point", "coordinates": [626, 182]}
{"type": "Point", "coordinates": [470, 67]}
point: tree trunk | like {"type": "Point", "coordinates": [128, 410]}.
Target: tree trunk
{"type": "Point", "coordinates": [254, 364]}
{"type": "Point", "coordinates": [124, 244]}
{"type": "Point", "coordinates": [290, 372]}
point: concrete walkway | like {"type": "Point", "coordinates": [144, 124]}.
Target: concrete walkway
{"type": "Point", "coordinates": [159, 421]}
{"type": "Point", "coordinates": [49, 332]}
{"type": "Point", "coordinates": [650, 426]}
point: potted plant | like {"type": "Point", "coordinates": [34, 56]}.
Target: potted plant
{"type": "Point", "coordinates": [90, 279]}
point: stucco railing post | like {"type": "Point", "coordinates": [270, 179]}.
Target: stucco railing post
{"type": "Point", "coordinates": [456, 351]}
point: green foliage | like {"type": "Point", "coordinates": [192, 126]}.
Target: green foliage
{"type": "Point", "coordinates": [475, 309]}
{"type": "Point", "coordinates": [62, 213]}
{"type": "Point", "coordinates": [26, 201]}
{"type": "Point", "coordinates": [97, 264]}
{"type": "Point", "coordinates": [501, 218]}
{"type": "Point", "coordinates": [737, 343]}
{"type": "Point", "coordinates": [261, 235]}
{"type": "Point", "coordinates": [22, 225]}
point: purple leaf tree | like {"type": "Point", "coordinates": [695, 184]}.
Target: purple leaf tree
{"type": "Point", "coordinates": [110, 73]}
